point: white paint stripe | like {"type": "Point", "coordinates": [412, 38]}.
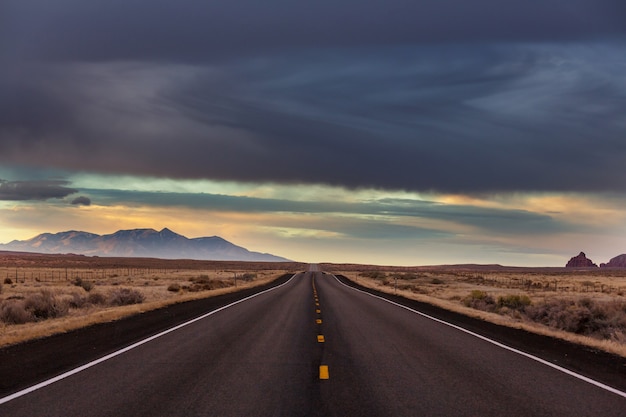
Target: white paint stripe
{"type": "Point", "coordinates": [131, 347]}
{"type": "Point", "coordinates": [493, 342]}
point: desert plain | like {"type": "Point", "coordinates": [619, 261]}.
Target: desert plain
{"type": "Point", "coordinates": [41, 295]}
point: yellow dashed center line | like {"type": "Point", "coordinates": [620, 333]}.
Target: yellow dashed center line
{"type": "Point", "coordinates": [320, 337]}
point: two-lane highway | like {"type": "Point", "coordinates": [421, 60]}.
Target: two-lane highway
{"type": "Point", "coordinates": [315, 347]}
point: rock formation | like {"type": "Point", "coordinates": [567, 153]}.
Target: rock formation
{"type": "Point", "coordinates": [617, 262]}
{"type": "Point", "coordinates": [580, 261]}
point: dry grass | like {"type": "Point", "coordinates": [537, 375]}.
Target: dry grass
{"type": "Point", "coordinates": [41, 295]}
{"type": "Point", "coordinates": [580, 305]}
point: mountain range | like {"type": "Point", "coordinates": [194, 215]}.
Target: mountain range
{"type": "Point", "coordinates": [139, 243]}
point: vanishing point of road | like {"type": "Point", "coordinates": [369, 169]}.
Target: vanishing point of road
{"type": "Point", "coordinates": [316, 347]}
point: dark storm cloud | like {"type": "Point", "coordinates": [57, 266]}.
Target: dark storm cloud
{"type": "Point", "coordinates": [199, 31]}
{"type": "Point", "coordinates": [34, 190]}
{"type": "Point", "coordinates": [81, 201]}
{"type": "Point", "coordinates": [460, 119]}
{"type": "Point", "coordinates": [427, 95]}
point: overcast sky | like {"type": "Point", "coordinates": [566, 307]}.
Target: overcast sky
{"type": "Point", "coordinates": [391, 132]}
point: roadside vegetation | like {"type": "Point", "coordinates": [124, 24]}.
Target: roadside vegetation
{"type": "Point", "coordinates": [580, 305]}
{"type": "Point", "coordinates": [40, 296]}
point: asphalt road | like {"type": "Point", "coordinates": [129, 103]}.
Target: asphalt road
{"type": "Point", "coordinates": [314, 347]}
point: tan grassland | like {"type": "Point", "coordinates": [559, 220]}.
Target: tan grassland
{"type": "Point", "coordinates": [73, 281]}
{"type": "Point", "coordinates": [456, 287]}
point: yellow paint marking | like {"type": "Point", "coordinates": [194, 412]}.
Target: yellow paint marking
{"type": "Point", "coordinates": [318, 321]}
{"type": "Point", "coordinates": [324, 372]}
{"type": "Point", "coordinates": [318, 311]}
{"type": "Point", "coordinates": [317, 304]}
{"type": "Point", "coordinates": [320, 338]}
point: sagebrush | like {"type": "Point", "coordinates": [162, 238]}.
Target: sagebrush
{"type": "Point", "coordinates": [125, 296]}
{"type": "Point", "coordinates": [35, 307]}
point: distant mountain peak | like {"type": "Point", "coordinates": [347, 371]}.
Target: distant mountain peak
{"type": "Point", "coordinates": [165, 232]}
{"type": "Point", "coordinates": [139, 243]}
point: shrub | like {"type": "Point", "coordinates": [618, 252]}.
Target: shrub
{"type": "Point", "coordinates": [8, 281]}
{"type": "Point", "coordinates": [77, 301]}
{"type": "Point", "coordinates": [13, 312]}
{"type": "Point", "coordinates": [202, 279]}
{"type": "Point", "coordinates": [173, 288]}
{"type": "Point", "coordinates": [436, 281]}
{"type": "Point", "coordinates": [604, 320]}
{"type": "Point", "coordinates": [85, 285]}
{"type": "Point", "coordinates": [96, 298]}
{"type": "Point", "coordinates": [204, 284]}
{"type": "Point", "coordinates": [514, 302]}
{"type": "Point", "coordinates": [44, 305]}
{"type": "Point", "coordinates": [480, 300]}
{"type": "Point", "coordinates": [248, 276]}
{"type": "Point", "coordinates": [125, 296]}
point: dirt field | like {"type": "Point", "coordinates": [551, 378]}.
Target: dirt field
{"type": "Point", "coordinates": [586, 306]}
{"type": "Point", "coordinates": [42, 295]}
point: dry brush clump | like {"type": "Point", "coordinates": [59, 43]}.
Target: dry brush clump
{"type": "Point", "coordinates": [205, 283]}
{"type": "Point", "coordinates": [35, 307]}
{"type": "Point", "coordinates": [480, 300]}
{"type": "Point", "coordinates": [585, 316]}
{"type": "Point", "coordinates": [125, 296]}
{"type": "Point", "coordinates": [85, 285]}
{"type": "Point", "coordinates": [95, 298]}
{"type": "Point", "coordinates": [14, 312]}
{"type": "Point", "coordinates": [45, 304]}
{"type": "Point", "coordinates": [595, 318]}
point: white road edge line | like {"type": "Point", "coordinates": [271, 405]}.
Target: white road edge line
{"type": "Point", "coordinates": [131, 347]}
{"type": "Point", "coordinates": [493, 342]}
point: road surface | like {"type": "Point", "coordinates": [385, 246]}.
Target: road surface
{"type": "Point", "coordinates": [315, 347]}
